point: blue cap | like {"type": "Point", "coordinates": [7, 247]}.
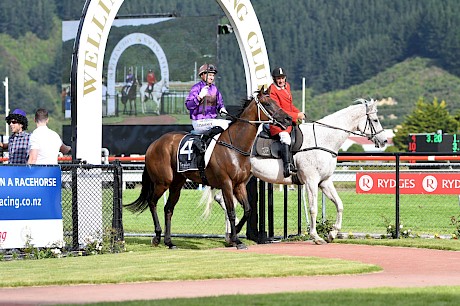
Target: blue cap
{"type": "Point", "coordinates": [19, 111]}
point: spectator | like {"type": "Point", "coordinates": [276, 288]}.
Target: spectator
{"type": "Point", "coordinates": [45, 144]}
{"type": "Point", "coordinates": [18, 142]}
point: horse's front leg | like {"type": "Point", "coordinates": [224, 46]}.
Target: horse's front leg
{"type": "Point", "coordinates": [242, 197]}
{"type": "Point", "coordinates": [228, 230]}
{"type": "Point", "coordinates": [312, 190]}
{"type": "Point", "coordinates": [330, 191]}
{"type": "Point", "coordinates": [229, 205]}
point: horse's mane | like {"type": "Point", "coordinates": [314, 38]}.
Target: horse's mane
{"type": "Point", "coordinates": [244, 102]}
{"type": "Point", "coordinates": [357, 102]}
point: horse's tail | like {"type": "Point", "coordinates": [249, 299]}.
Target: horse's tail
{"type": "Point", "coordinates": [206, 199]}
{"type": "Point", "coordinates": [142, 202]}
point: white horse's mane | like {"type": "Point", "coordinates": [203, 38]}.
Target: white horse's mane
{"type": "Point", "coordinates": [358, 102]}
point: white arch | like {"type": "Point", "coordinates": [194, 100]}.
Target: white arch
{"type": "Point", "coordinates": [95, 27]}
{"type": "Point", "coordinates": [123, 44]}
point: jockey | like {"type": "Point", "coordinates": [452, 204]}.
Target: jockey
{"type": "Point", "coordinates": [150, 81]}
{"type": "Point", "coordinates": [280, 91]}
{"type": "Point", "coordinates": [129, 80]}
{"type": "Point", "coordinates": [205, 102]}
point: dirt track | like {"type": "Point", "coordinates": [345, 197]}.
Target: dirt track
{"type": "Point", "coordinates": [402, 267]}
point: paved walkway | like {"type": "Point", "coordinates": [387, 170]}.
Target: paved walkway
{"type": "Point", "coordinates": [402, 267]}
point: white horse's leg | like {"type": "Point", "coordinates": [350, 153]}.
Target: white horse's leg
{"type": "Point", "coordinates": [329, 190]}
{"type": "Point", "coordinates": [312, 190]}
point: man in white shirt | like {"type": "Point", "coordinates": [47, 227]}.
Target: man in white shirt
{"type": "Point", "coordinates": [44, 143]}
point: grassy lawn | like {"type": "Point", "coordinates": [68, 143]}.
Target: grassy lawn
{"type": "Point", "coordinates": [376, 297]}
{"type": "Point", "coordinates": [141, 262]}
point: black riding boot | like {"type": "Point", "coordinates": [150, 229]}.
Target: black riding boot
{"type": "Point", "coordinates": [200, 143]}
{"type": "Point", "coordinates": [288, 167]}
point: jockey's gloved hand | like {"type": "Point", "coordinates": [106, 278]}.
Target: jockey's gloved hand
{"type": "Point", "coordinates": [203, 92]}
{"type": "Point", "coordinates": [223, 111]}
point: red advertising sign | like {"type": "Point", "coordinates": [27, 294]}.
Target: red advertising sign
{"type": "Point", "coordinates": [409, 183]}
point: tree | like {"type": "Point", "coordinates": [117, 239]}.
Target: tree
{"type": "Point", "coordinates": [426, 118]}
{"type": "Point", "coordinates": [356, 148]}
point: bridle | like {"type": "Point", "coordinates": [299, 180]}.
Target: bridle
{"type": "Point", "coordinates": [373, 132]}
{"type": "Point", "coordinates": [362, 133]}
{"type": "Point", "coordinates": [261, 109]}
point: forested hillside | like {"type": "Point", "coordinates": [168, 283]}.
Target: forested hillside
{"type": "Point", "coordinates": [344, 49]}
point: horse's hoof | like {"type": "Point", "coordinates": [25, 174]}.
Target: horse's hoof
{"type": "Point", "coordinates": [241, 246]}
{"type": "Point", "coordinates": [320, 241]}
{"type": "Point", "coordinates": [172, 247]}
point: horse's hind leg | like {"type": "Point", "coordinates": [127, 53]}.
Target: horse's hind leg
{"type": "Point", "coordinates": [159, 190]}
{"type": "Point", "coordinates": [330, 191]}
{"type": "Point", "coordinates": [174, 194]}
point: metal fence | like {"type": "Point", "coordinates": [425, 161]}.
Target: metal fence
{"type": "Point", "coordinates": [282, 210]}
{"type": "Point", "coordinates": [91, 203]}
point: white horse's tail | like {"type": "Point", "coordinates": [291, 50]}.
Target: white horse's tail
{"type": "Point", "coordinates": [207, 200]}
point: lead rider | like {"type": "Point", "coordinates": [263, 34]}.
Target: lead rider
{"type": "Point", "coordinates": [280, 91]}
{"type": "Point", "coordinates": [204, 102]}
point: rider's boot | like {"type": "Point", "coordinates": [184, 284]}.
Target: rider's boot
{"type": "Point", "coordinates": [288, 167]}
{"type": "Point", "coordinates": [200, 143]}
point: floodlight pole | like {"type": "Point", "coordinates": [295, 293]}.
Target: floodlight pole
{"type": "Point", "coordinates": [7, 107]}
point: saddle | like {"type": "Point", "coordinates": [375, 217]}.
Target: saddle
{"type": "Point", "coordinates": [193, 146]}
{"type": "Point", "coordinates": [269, 146]}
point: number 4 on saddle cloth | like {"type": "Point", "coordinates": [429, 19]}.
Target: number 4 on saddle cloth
{"type": "Point", "coordinates": [195, 150]}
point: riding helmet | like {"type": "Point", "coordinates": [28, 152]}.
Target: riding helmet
{"type": "Point", "coordinates": [208, 68]}
{"type": "Point", "coordinates": [278, 72]}
{"type": "Point", "coordinates": [20, 116]}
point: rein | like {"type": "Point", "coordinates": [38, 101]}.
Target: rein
{"type": "Point", "coordinates": [361, 133]}
{"type": "Point", "coordinates": [260, 107]}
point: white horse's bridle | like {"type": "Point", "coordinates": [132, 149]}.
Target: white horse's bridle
{"type": "Point", "coordinates": [373, 132]}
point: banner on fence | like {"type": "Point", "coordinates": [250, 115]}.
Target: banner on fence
{"type": "Point", "coordinates": [409, 183]}
{"type": "Point", "coordinates": [30, 206]}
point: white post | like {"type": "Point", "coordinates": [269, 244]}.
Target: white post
{"type": "Point", "coordinates": [7, 107]}
{"type": "Point", "coordinates": [303, 95]}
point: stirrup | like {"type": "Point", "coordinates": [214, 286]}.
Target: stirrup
{"type": "Point", "coordinates": [292, 168]}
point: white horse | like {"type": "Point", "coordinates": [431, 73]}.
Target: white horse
{"type": "Point", "coordinates": [153, 97]}
{"type": "Point", "coordinates": [316, 159]}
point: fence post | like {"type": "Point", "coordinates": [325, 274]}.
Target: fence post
{"type": "Point", "coordinates": [117, 221]}
{"type": "Point", "coordinates": [75, 244]}
{"type": "Point", "coordinates": [262, 235]}
{"type": "Point", "coordinates": [285, 202]}
{"type": "Point", "coordinates": [397, 196]}
{"type": "Point", "coordinates": [270, 212]}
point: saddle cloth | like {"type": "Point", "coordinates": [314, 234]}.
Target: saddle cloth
{"type": "Point", "coordinates": [186, 155]}
{"type": "Point", "coordinates": [268, 146]}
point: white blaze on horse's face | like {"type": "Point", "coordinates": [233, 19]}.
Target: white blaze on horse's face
{"type": "Point", "coordinates": [371, 126]}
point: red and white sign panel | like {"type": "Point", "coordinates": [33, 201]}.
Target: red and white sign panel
{"type": "Point", "coordinates": [409, 183]}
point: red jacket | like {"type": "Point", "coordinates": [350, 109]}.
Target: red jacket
{"type": "Point", "coordinates": [283, 98]}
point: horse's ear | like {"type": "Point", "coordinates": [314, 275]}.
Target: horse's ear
{"type": "Point", "coordinates": [268, 90]}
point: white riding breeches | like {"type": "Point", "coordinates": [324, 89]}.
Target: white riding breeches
{"type": "Point", "coordinates": [285, 138]}
{"type": "Point", "coordinates": [203, 125]}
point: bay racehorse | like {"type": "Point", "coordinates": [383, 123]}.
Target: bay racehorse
{"type": "Point", "coordinates": [130, 97]}
{"type": "Point", "coordinates": [228, 169]}
{"type": "Point", "coordinates": [316, 159]}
